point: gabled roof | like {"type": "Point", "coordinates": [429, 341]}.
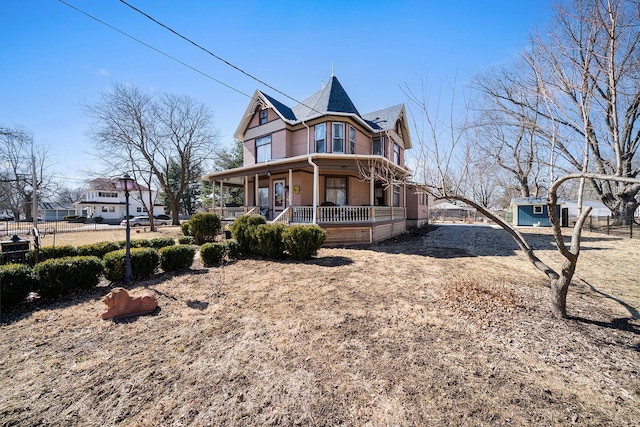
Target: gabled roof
{"type": "Point", "coordinates": [384, 119]}
{"type": "Point", "coordinates": [111, 184]}
{"type": "Point", "coordinates": [332, 98]}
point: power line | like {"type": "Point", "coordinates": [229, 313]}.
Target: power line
{"type": "Point", "coordinates": [153, 48]}
{"type": "Point", "coordinates": [214, 55]}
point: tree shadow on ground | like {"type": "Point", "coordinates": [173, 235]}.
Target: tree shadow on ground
{"type": "Point", "coordinates": [620, 324]}
{"type": "Point", "coordinates": [330, 261]}
{"type": "Point", "coordinates": [469, 240]}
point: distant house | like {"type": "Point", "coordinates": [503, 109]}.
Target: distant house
{"type": "Point", "coordinates": [448, 211]}
{"type": "Point", "coordinates": [54, 211]}
{"type": "Point", "coordinates": [322, 162]}
{"type": "Point", "coordinates": [533, 211]}
{"type": "Point", "coordinates": [105, 199]}
{"type": "Point", "coordinates": [598, 209]}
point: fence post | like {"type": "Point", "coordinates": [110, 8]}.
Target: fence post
{"type": "Point", "coordinates": [608, 225]}
{"type": "Point", "coordinates": [631, 227]}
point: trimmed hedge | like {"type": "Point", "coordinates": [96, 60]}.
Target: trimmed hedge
{"type": "Point", "coordinates": [17, 281]}
{"type": "Point", "coordinates": [161, 242]}
{"type": "Point", "coordinates": [144, 262]}
{"type": "Point", "coordinates": [177, 257]}
{"type": "Point", "coordinates": [303, 241]}
{"type": "Point", "coordinates": [51, 252]}
{"type": "Point", "coordinates": [186, 240]}
{"type": "Point", "coordinates": [62, 276]}
{"type": "Point", "coordinates": [204, 227]}
{"type": "Point", "coordinates": [269, 238]}
{"type": "Point", "coordinates": [213, 253]}
{"type": "Point", "coordinates": [244, 231]}
{"type": "Point", "coordinates": [98, 249]}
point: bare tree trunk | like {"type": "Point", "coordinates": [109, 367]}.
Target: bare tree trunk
{"type": "Point", "coordinates": [560, 288]}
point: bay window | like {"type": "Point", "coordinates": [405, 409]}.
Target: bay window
{"type": "Point", "coordinates": [320, 137]}
{"type": "Point", "coordinates": [338, 138]}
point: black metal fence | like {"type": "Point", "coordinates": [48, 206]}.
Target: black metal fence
{"type": "Point", "coordinates": [625, 226]}
{"type": "Point", "coordinates": [22, 228]}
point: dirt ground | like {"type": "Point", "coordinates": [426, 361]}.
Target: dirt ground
{"type": "Point", "coordinates": [450, 327]}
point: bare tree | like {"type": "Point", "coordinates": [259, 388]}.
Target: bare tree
{"type": "Point", "coordinates": [587, 70]}
{"type": "Point", "coordinates": [152, 136]}
{"type": "Point", "coordinates": [19, 158]}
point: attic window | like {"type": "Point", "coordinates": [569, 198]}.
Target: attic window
{"type": "Point", "coordinates": [538, 210]}
{"type": "Point", "coordinates": [263, 117]}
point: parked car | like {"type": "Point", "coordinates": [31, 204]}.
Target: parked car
{"type": "Point", "coordinates": [143, 221]}
{"type": "Point", "coordinates": [164, 217]}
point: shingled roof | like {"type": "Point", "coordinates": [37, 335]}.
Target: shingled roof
{"type": "Point", "coordinates": [332, 98]}
{"type": "Point", "coordinates": [384, 119]}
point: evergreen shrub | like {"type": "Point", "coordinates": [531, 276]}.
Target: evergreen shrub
{"type": "Point", "coordinates": [213, 253]}
{"type": "Point", "coordinates": [144, 262]}
{"type": "Point", "coordinates": [303, 241]}
{"type": "Point", "coordinates": [269, 238]}
{"type": "Point", "coordinates": [204, 227]}
{"type": "Point", "coordinates": [62, 276]}
{"type": "Point", "coordinates": [243, 230]}
{"type": "Point", "coordinates": [17, 281]}
{"type": "Point", "coordinates": [177, 257]}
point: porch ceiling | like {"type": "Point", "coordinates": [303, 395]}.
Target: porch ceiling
{"type": "Point", "coordinates": [326, 162]}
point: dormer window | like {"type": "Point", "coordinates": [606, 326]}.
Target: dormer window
{"type": "Point", "coordinates": [321, 137]}
{"type": "Point", "coordinates": [264, 116]}
{"type": "Point", "coordinates": [338, 138]}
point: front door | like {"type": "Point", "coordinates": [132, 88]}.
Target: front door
{"type": "Point", "coordinates": [279, 202]}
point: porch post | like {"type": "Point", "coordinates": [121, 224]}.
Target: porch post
{"type": "Point", "coordinates": [245, 193]}
{"type": "Point", "coordinates": [372, 189]}
{"type": "Point", "coordinates": [255, 191]}
{"type": "Point", "coordinates": [316, 179]}
{"type": "Point", "coordinates": [221, 195]}
{"type": "Point", "coordinates": [290, 192]}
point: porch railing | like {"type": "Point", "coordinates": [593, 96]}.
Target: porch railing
{"type": "Point", "coordinates": [345, 214]}
{"type": "Point", "coordinates": [229, 212]}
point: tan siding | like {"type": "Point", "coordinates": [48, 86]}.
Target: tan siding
{"type": "Point", "coordinates": [249, 152]}
{"type": "Point", "coordinates": [358, 192]}
{"type": "Point", "coordinates": [279, 145]}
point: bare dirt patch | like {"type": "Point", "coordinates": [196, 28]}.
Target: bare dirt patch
{"type": "Point", "coordinates": [451, 327]}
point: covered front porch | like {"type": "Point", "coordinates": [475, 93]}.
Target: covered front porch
{"type": "Point", "coordinates": [337, 192]}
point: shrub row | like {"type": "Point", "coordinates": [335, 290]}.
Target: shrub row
{"type": "Point", "coordinates": [99, 249]}
{"type": "Point", "coordinates": [56, 277]}
{"type": "Point", "coordinates": [256, 237]}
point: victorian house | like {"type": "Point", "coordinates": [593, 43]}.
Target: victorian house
{"type": "Point", "coordinates": [323, 162]}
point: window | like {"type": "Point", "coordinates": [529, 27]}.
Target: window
{"type": "Point", "coordinates": [337, 191]}
{"type": "Point", "coordinates": [139, 209]}
{"type": "Point", "coordinates": [378, 146]}
{"type": "Point", "coordinates": [396, 196]}
{"type": "Point", "coordinates": [263, 149]}
{"type": "Point", "coordinates": [321, 133]}
{"type": "Point", "coordinates": [352, 140]}
{"type": "Point", "coordinates": [338, 138]}
{"type": "Point", "coordinates": [538, 210]}
{"type": "Point", "coordinates": [264, 116]}
{"type": "Point", "coordinates": [396, 154]}
{"type": "Point", "coordinates": [105, 194]}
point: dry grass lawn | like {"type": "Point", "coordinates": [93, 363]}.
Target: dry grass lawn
{"type": "Point", "coordinates": [446, 328]}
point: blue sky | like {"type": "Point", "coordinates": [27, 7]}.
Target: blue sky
{"type": "Point", "coordinates": [54, 58]}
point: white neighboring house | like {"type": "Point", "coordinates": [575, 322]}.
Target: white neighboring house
{"type": "Point", "coordinates": [105, 199]}
{"type": "Point", "coordinates": [598, 209]}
